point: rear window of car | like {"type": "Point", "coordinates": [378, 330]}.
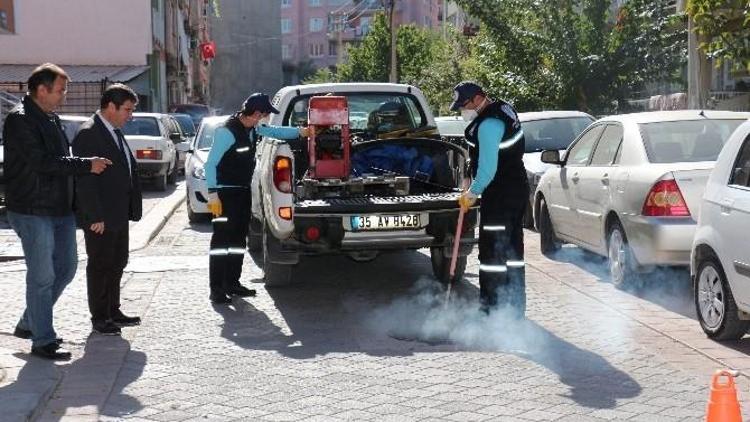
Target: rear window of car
{"type": "Point", "coordinates": [686, 140]}
{"type": "Point", "coordinates": [143, 126]}
{"type": "Point", "coordinates": [451, 127]}
{"type": "Point", "coordinates": [186, 124]}
{"type": "Point", "coordinates": [555, 133]}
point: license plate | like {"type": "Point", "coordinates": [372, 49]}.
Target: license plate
{"type": "Point", "coordinates": [384, 222]}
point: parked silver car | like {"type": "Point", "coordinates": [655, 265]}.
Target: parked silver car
{"type": "Point", "coordinates": [195, 176]}
{"type": "Point", "coordinates": [630, 187]}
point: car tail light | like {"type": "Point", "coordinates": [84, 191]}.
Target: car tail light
{"type": "Point", "coordinates": [285, 213]}
{"type": "Point", "coordinates": [282, 174]}
{"type": "Point", "coordinates": [665, 200]}
{"type": "Point", "coordinates": [148, 154]}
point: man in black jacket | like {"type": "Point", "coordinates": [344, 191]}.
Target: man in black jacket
{"type": "Point", "coordinates": [39, 174]}
{"type": "Point", "coordinates": [105, 203]}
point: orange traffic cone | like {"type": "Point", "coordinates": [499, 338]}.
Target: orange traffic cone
{"type": "Point", "coordinates": [722, 403]}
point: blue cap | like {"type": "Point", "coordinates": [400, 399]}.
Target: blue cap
{"type": "Point", "coordinates": [258, 102]}
{"type": "Point", "coordinates": [464, 92]}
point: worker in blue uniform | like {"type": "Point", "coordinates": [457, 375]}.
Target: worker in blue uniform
{"type": "Point", "coordinates": [500, 178]}
{"type": "Point", "coordinates": [229, 171]}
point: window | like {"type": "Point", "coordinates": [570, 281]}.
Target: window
{"type": "Point", "coordinates": [741, 172]}
{"type": "Point", "coordinates": [316, 50]}
{"type": "Point", "coordinates": [556, 133]}
{"type": "Point", "coordinates": [686, 140]}
{"type": "Point", "coordinates": [286, 25]}
{"type": "Point", "coordinates": [313, 3]}
{"type": "Point", "coordinates": [608, 146]}
{"type": "Point", "coordinates": [332, 49]}
{"type": "Point", "coordinates": [7, 25]}
{"type": "Point", "coordinates": [146, 126]}
{"type": "Point", "coordinates": [364, 24]}
{"type": "Point", "coordinates": [581, 151]}
{"type": "Point", "coordinates": [316, 24]}
{"type": "Point", "coordinates": [369, 113]}
{"type": "Point", "coordinates": [286, 3]}
{"type": "Point", "coordinates": [286, 52]}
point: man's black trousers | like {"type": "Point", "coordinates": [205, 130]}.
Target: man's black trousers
{"type": "Point", "coordinates": [107, 258]}
{"type": "Point", "coordinates": [228, 242]}
{"type": "Point", "coordinates": [502, 279]}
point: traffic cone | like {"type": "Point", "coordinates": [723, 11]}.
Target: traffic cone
{"type": "Point", "coordinates": [722, 403]}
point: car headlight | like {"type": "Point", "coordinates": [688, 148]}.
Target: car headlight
{"type": "Point", "coordinates": [199, 173]}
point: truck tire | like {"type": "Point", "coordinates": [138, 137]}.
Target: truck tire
{"type": "Point", "coordinates": [275, 275]}
{"type": "Point", "coordinates": [441, 265]}
{"type": "Point", "coordinates": [254, 235]}
{"type": "Point", "coordinates": [160, 182]}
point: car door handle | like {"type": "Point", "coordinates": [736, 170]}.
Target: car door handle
{"type": "Point", "coordinates": [726, 205]}
{"type": "Point", "coordinates": [575, 178]}
{"type": "Point", "coordinates": [605, 180]}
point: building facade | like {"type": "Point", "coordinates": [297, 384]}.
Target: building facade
{"type": "Point", "coordinates": [316, 33]}
{"type": "Point", "coordinates": [248, 51]}
{"type": "Point", "coordinates": [99, 42]}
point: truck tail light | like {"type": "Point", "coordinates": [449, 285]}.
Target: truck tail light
{"type": "Point", "coordinates": [282, 174]}
{"type": "Point", "coordinates": [312, 234]}
{"type": "Point", "coordinates": [148, 154]}
{"type": "Point", "coordinates": [285, 213]}
{"type": "Point", "coordinates": [665, 200]}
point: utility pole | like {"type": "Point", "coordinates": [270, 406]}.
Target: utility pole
{"type": "Point", "coordinates": [340, 39]}
{"type": "Point", "coordinates": [698, 71]}
{"type": "Point", "coordinates": [445, 19]}
{"type": "Point", "coordinates": [394, 65]}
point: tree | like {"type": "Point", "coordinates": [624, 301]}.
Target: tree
{"type": "Point", "coordinates": [726, 24]}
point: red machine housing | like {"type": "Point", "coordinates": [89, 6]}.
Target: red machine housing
{"type": "Point", "coordinates": [329, 141]}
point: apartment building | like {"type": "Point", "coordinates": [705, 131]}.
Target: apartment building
{"type": "Point", "coordinates": [316, 33]}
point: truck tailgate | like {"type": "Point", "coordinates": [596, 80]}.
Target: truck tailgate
{"type": "Point", "coordinates": [374, 204]}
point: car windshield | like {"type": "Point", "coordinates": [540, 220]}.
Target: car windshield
{"type": "Point", "coordinates": [186, 124]}
{"type": "Point", "coordinates": [195, 111]}
{"type": "Point", "coordinates": [371, 114]}
{"type": "Point", "coordinates": [555, 133]}
{"type": "Point", "coordinates": [206, 136]}
{"type": "Point", "coordinates": [687, 140]}
{"type": "Point", "coordinates": [143, 126]}
{"type": "Point", "coordinates": [451, 127]}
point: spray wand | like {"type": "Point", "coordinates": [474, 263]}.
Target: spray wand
{"type": "Point", "coordinates": [454, 256]}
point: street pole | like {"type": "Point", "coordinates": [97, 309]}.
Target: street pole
{"type": "Point", "coordinates": [445, 19]}
{"type": "Point", "coordinates": [698, 72]}
{"type": "Point", "coordinates": [394, 67]}
{"type": "Point", "coordinates": [340, 41]}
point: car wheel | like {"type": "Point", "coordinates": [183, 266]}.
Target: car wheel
{"type": "Point", "coordinates": [547, 239]}
{"type": "Point", "coordinates": [621, 265]}
{"type": "Point", "coordinates": [714, 302]}
{"type": "Point", "coordinates": [172, 176]}
{"type": "Point", "coordinates": [194, 217]}
{"type": "Point", "coordinates": [441, 266]}
{"type": "Point", "coordinates": [160, 182]}
{"type": "Point", "coordinates": [275, 275]}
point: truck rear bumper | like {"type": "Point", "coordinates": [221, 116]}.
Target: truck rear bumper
{"type": "Point", "coordinates": [378, 204]}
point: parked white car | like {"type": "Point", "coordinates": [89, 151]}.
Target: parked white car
{"type": "Point", "coordinates": [195, 176]}
{"type": "Point", "coordinates": [630, 187]}
{"type": "Point", "coordinates": [71, 124]}
{"type": "Point", "coordinates": [152, 138]}
{"type": "Point", "coordinates": [720, 263]}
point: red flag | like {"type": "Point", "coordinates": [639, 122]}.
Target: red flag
{"type": "Point", "coordinates": [208, 50]}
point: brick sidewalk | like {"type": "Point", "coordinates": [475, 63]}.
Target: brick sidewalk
{"type": "Point", "coordinates": [311, 352]}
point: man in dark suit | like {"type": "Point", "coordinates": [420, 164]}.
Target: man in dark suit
{"type": "Point", "coordinates": [106, 204]}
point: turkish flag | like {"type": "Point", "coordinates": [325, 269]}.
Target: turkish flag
{"type": "Point", "coordinates": [208, 50]}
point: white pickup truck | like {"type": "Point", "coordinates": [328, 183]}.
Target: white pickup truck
{"type": "Point", "coordinates": [400, 192]}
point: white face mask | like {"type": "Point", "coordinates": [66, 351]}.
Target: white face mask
{"type": "Point", "coordinates": [469, 115]}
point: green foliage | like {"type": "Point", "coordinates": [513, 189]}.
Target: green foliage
{"type": "Point", "coordinates": [726, 25]}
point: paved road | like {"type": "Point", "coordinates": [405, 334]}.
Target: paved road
{"type": "Point", "coordinates": [324, 349]}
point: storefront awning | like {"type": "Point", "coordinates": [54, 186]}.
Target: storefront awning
{"type": "Point", "coordinates": [19, 73]}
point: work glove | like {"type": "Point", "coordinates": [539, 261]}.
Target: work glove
{"type": "Point", "coordinates": [467, 200]}
{"type": "Point", "coordinates": [214, 204]}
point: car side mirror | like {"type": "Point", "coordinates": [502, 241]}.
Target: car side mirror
{"type": "Point", "coordinates": [182, 147]}
{"type": "Point", "coordinates": [175, 137]}
{"type": "Point", "coordinates": [552, 157]}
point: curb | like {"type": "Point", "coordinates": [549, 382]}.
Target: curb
{"type": "Point", "coordinates": [143, 231]}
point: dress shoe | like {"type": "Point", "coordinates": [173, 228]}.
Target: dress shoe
{"type": "Point", "coordinates": [220, 298]}
{"type": "Point", "coordinates": [123, 320]}
{"type": "Point", "coordinates": [51, 351]}
{"type": "Point", "coordinates": [106, 328]}
{"type": "Point", "coordinates": [26, 335]}
{"type": "Point", "coordinates": [241, 291]}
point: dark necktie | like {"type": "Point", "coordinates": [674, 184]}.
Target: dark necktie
{"type": "Point", "coordinates": [121, 145]}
